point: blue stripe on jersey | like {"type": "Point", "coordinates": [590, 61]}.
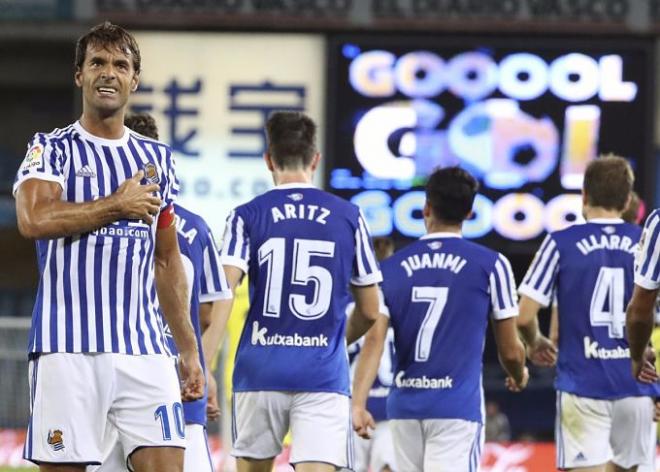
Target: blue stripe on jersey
{"type": "Point", "coordinates": [66, 279]}
{"type": "Point", "coordinates": [232, 223]}
{"type": "Point", "coordinates": [537, 260]}
{"type": "Point", "coordinates": [114, 262]}
{"type": "Point", "coordinates": [53, 300]}
{"type": "Point", "coordinates": [650, 247]}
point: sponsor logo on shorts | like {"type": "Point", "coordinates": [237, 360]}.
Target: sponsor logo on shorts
{"type": "Point", "coordinates": [260, 337]}
{"type": "Point", "coordinates": [423, 382]}
{"type": "Point", "coordinates": [55, 439]}
{"type": "Point", "coordinates": [592, 350]}
{"type": "Point", "coordinates": [580, 457]}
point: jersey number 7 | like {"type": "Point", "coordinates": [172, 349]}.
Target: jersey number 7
{"type": "Point", "coordinates": [436, 297]}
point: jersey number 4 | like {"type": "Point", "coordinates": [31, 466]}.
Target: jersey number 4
{"type": "Point", "coordinates": [272, 253]}
{"type": "Point", "coordinates": [607, 301]}
{"type": "Point", "coordinates": [436, 297]}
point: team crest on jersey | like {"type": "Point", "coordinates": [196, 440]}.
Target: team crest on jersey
{"type": "Point", "coordinates": [296, 197]}
{"type": "Point", "coordinates": [34, 157]}
{"type": "Point", "coordinates": [609, 229]}
{"type": "Point", "coordinates": [151, 174]}
{"type": "Point", "coordinates": [55, 439]}
{"type": "Point", "coordinates": [435, 245]}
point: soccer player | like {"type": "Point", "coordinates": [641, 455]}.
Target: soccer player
{"type": "Point", "coordinates": [604, 417]}
{"type": "Point", "coordinates": [98, 200]}
{"type": "Point", "coordinates": [440, 292]}
{"type": "Point", "coordinates": [301, 248]}
{"type": "Point", "coordinates": [377, 453]}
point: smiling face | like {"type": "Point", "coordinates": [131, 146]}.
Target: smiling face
{"type": "Point", "coordinates": [107, 78]}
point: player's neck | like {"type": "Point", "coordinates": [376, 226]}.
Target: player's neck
{"type": "Point", "coordinates": [440, 227]}
{"type": "Point", "coordinates": [292, 177]}
{"type": "Point", "coordinates": [110, 127]}
{"type": "Point", "coordinates": [594, 213]}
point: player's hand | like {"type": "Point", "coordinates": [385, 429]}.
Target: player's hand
{"type": "Point", "coordinates": [543, 352]}
{"type": "Point", "coordinates": [644, 371]}
{"type": "Point", "coordinates": [192, 376]}
{"type": "Point", "coordinates": [212, 408]}
{"type": "Point", "coordinates": [363, 422]}
{"type": "Point", "coordinates": [514, 386]}
{"type": "Point", "coordinates": [136, 201]}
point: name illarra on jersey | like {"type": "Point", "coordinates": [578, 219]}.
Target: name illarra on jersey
{"type": "Point", "coordinates": [301, 248]}
{"type": "Point", "coordinates": [96, 290]}
{"type": "Point", "coordinates": [206, 283]}
{"type": "Point", "coordinates": [590, 268]}
{"type": "Point", "coordinates": [438, 337]}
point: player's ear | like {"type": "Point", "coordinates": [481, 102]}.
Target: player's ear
{"type": "Point", "coordinates": [269, 162]}
{"type": "Point", "coordinates": [77, 77]}
{"type": "Point", "coordinates": [135, 81]}
{"type": "Point", "coordinates": [426, 211]}
{"type": "Point", "coordinates": [315, 161]}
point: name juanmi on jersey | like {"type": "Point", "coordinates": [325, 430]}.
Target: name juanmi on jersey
{"type": "Point", "coordinates": [437, 260]}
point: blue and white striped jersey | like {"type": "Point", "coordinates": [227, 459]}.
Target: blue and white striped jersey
{"type": "Point", "coordinates": [440, 292]}
{"type": "Point", "coordinates": [301, 247]}
{"type": "Point", "coordinates": [590, 268]}
{"type": "Point", "coordinates": [206, 283]}
{"type": "Point", "coordinates": [647, 263]}
{"type": "Point", "coordinates": [96, 291]}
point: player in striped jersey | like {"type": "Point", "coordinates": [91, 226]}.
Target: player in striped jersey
{"type": "Point", "coordinates": [440, 292]}
{"type": "Point", "coordinates": [301, 248]}
{"type": "Point", "coordinates": [604, 417]}
{"type": "Point", "coordinates": [98, 199]}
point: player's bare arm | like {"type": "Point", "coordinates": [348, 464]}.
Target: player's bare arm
{"type": "Point", "coordinates": [365, 374]}
{"type": "Point", "coordinates": [511, 353]}
{"type": "Point", "coordinates": [639, 325]}
{"type": "Point", "coordinates": [172, 293]}
{"type": "Point", "coordinates": [540, 350]}
{"type": "Point", "coordinates": [42, 214]}
{"type": "Point", "coordinates": [365, 314]}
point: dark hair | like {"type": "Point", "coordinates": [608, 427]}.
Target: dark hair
{"type": "Point", "coordinates": [291, 139]}
{"type": "Point", "coordinates": [608, 182]}
{"type": "Point", "coordinates": [108, 35]}
{"type": "Point", "coordinates": [632, 212]}
{"type": "Point", "coordinates": [450, 193]}
{"type": "Point", "coordinates": [142, 123]}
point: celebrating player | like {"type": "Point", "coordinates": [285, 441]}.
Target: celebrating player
{"type": "Point", "coordinates": [99, 202]}
{"type": "Point", "coordinates": [440, 292]}
{"type": "Point", "coordinates": [301, 247]}
{"type": "Point", "coordinates": [604, 417]}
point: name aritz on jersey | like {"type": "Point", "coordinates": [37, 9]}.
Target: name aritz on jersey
{"type": "Point", "coordinates": [433, 261]}
{"type": "Point", "coordinates": [260, 337]}
{"type": "Point", "coordinates": [300, 211]}
{"type": "Point", "coordinates": [593, 351]}
{"type": "Point", "coordinates": [423, 382]}
{"type": "Point", "coordinates": [612, 241]}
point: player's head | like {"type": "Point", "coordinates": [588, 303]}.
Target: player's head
{"type": "Point", "coordinates": [291, 139]}
{"type": "Point", "coordinates": [383, 246]}
{"type": "Point", "coordinates": [107, 67]}
{"type": "Point", "coordinates": [608, 182]}
{"type": "Point", "coordinates": [450, 194]}
{"type": "Point", "coordinates": [142, 123]}
{"type": "Point", "coordinates": [634, 211]}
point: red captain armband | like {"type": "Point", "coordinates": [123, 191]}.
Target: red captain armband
{"type": "Point", "coordinates": [166, 217]}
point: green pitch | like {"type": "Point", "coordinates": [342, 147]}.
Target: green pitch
{"type": "Point", "coordinates": [18, 469]}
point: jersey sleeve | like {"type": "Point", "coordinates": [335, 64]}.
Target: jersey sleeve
{"type": "Point", "coordinates": [647, 263]}
{"type": "Point", "coordinates": [365, 266]}
{"type": "Point", "coordinates": [42, 161]}
{"type": "Point", "coordinates": [236, 243]}
{"type": "Point", "coordinates": [171, 187]}
{"type": "Point", "coordinates": [502, 284]}
{"type": "Point", "coordinates": [539, 282]}
{"type": "Point", "coordinates": [213, 284]}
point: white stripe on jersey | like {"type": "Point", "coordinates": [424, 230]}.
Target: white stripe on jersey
{"type": "Point", "coordinates": [98, 287]}
{"type": "Point", "coordinates": [502, 285]}
{"type": "Point", "coordinates": [539, 282]}
{"type": "Point", "coordinates": [647, 273]}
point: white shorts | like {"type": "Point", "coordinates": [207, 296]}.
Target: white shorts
{"type": "Point", "coordinates": [591, 432]}
{"type": "Point", "coordinates": [320, 424]}
{"type": "Point", "coordinates": [376, 453]}
{"type": "Point", "coordinates": [439, 445]}
{"type": "Point", "coordinates": [76, 399]}
{"type": "Point", "coordinates": [197, 457]}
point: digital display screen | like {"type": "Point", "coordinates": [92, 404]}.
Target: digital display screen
{"type": "Point", "coordinates": [525, 115]}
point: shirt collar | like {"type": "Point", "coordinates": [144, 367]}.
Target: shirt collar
{"type": "Point", "coordinates": [441, 234]}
